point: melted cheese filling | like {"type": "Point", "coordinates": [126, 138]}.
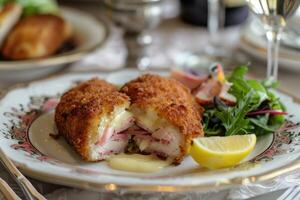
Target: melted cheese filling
{"type": "Point", "coordinates": [137, 163]}
{"type": "Point", "coordinates": [160, 131]}
{"type": "Point", "coordinates": [148, 120]}
{"type": "Point", "coordinates": [115, 121]}
{"type": "Point", "coordinates": [118, 119]}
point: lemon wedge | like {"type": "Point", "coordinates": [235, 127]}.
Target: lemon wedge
{"type": "Point", "coordinates": [222, 152]}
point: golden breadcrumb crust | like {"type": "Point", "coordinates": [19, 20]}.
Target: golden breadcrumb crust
{"type": "Point", "coordinates": [80, 109]}
{"type": "Point", "coordinates": [172, 101]}
{"type": "Point", "coordinates": [36, 36]}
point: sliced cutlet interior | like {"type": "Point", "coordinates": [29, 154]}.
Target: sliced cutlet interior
{"type": "Point", "coordinates": [109, 137]}
{"type": "Point", "coordinates": [167, 113]}
{"type": "Point", "coordinates": [161, 138]}
{"type": "Point", "coordinates": [92, 117]}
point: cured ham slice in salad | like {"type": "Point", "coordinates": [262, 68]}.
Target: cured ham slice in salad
{"type": "Point", "coordinates": [235, 104]}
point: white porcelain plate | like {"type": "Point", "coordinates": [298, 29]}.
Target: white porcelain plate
{"type": "Point", "coordinates": [89, 31]}
{"type": "Point", "coordinates": [26, 122]}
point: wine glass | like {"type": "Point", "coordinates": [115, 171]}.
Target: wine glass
{"type": "Point", "coordinates": [273, 15]}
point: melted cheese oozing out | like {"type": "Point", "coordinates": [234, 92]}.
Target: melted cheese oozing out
{"type": "Point", "coordinates": [148, 119]}
{"type": "Point", "coordinates": [121, 119]}
{"type": "Point", "coordinates": [117, 120]}
{"type": "Point", "coordinates": [137, 163]}
{"type": "Point", "coordinates": [160, 129]}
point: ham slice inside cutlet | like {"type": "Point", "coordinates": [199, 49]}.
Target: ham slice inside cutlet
{"type": "Point", "coordinates": [92, 117]}
{"type": "Point", "coordinates": [167, 114]}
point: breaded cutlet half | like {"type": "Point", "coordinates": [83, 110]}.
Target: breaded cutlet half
{"type": "Point", "coordinates": [36, 36]}
{"type": "Point", "coordinates": [172, 102]}
{"type": "Point", "coordinates": [80, 109]}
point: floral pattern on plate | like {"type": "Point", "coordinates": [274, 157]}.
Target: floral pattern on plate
{"type": "Point", "coordinates": [20, 120]}
{"type": "Point", "coordinates": [284, 139]}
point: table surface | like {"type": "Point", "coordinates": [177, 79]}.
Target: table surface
{"type": "Point", "coordinates": [289, 80]}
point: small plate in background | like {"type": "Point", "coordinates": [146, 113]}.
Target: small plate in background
{"type": "Point", "coordinates": [91, 32]}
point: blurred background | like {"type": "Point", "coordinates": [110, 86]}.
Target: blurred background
{"type": "Point", "coordinates": [170, 34]}
{"type": "Point", "coordinates": [183, 29]}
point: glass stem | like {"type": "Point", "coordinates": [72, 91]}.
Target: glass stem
{"type": "Point", "coordinates": [273, 37]}
{"type": "Point", "coordinates": [213, 19]}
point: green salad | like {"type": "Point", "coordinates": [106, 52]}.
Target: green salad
{"type": "Point", "coordinates": [31, 7]}
{"type": "Point", "coordinates": [258, 110]}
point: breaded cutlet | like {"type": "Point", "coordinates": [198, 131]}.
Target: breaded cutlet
{"type": "Point", "coordinates": [36, 36]}
{"type": "Point", "coordinates": [167, 110]}
{"type": "Point", "coordinates": [90, 116]}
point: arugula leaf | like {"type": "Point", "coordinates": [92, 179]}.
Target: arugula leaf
{"type": "Point", "coordinates": [216, 131]}
{"type": "Point", "coordinates": [251, 95]}
{"type": "Point", "coordinates": [270, 83]}
{"type": "Point", "coordinates": [276, 104]}
{"type": "Point", "coordinates": [261, 125]}
{"type": "Point", "coordinates": [241, 86]}
{"type": "Point", "coordinates": [211, 124]}
{"type": "Point", "coordinates": [238, 72]}
{"type": "Point", "coordinates": [234, 118]}
{"type": "Point", "coordinates": [260, 90]}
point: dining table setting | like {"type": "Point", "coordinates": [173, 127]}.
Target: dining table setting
{"type": "Point", "coordinates": [150, 99]}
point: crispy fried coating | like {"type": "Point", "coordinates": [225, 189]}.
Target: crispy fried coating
{"type": "Point", "coordinates": [172, 101]}
{"type": "Point", "coordinates": [80, 109]}
{"type": "Point", "coordinates": [36, 36]}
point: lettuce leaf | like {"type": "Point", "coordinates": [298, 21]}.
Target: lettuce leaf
{"type": "Point", "coordinates": [251, 95]}
{"type": "Point", "coordinates": [31, 7]}
{"type": "Point", "coordinates": [234, 119]}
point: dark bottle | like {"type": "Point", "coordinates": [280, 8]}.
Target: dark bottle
{"type": "Point", "coordinates": [195, 12]}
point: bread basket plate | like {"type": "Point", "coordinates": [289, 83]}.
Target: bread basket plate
{"type": "Point", "coordinates": [26, 120]}
{"type": "Point", "coordinates": [91, 34]}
